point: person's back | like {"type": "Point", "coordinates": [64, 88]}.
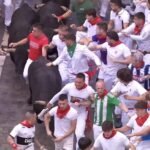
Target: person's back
{"type": "Point", "coordinates": [80, 7]}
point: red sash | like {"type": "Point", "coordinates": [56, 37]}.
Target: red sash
{"type": "Point", "coordinates": [138, 29]}
{"type": "Point", "coordinates": [95, 21]}
{"type": "Point", "coordinates": [26, 124]}
{"type": "Point", "coordinates": [62, 113]}
{"type": "Point", "coordinates": [112, 135]}
{"type": "Point", "coordinates": [116, 44]}
{"type": "Point", "coordinates": [141, 120]}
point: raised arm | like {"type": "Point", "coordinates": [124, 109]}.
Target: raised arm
{"type": "Point", "coordinates": [21, 42]}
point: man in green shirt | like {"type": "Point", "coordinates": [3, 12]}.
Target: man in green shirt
{"type": "Point", "coordinates": [79, 7]}
{"type": "Point", "coordinates": [105, 104]}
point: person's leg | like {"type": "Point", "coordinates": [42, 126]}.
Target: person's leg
{"type": "Point", "coordinates": [17, 3]}
{"type": "Point", "coordinates": [68, 143]}
{"type": "Point", "coordinates": [27, 65]}
{"type": "Point", "coordinates": [96, 131]}
{"type": "Point", "coordinates": [29, 147]}
{"type": "Point", "coordinates": [63, 73]}
{"type": "Point", "coordinates": [109, 81]}
{"type": "Point", "coordinates": [104, 8]}
{"type": "Point", "coordinates": [80, 127]}
{"type": "Point", "coordinates": [59, 145]}
{"type": "Point", "coordinates": [9, 9]}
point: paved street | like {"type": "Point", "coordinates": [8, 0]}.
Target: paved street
{"type": "Point", "coordinates": [13, 101]}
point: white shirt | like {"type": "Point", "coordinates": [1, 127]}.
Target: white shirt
{"type": "Point", "coordinates": [118, 142]}
{"type": "Point", "coordinates": [91, 29]}
{"type": "Point", "coordinates": [143, 145]}
{"type": "Point", "coordinates": [64, 124]}
{"type": "Point", "coordinates": [118, 52]}
{"type": "Point", "coordinates": [23, 131]}
{"type": "Point", "coordinates": [119, 19]}
{"type": "Point", "coordinates": [74, 93]}
{"type": "Point", "coordinates": [147, 15]}
{"type": "Point", "coordinates": [142, 40]}
{"type": "Point", "coordinates": [79, 62]}
{"type": "Point", "coordinates": [132, 89]}
{"type": "Point", "coordinates": [59, 43]}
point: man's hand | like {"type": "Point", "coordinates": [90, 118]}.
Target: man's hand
{"type": "Point", "coordinates": [77, 104]}
{"type": "Point", "coordinates": [125, 34]}
{"type": "Point", "coordinates": [49, 105]}
{"type": "Point", "coordinates": [13, 45]}
{"type": "Point", "coordinates": [99, 67]}
{"type": "Point", "coordinates": [59, 18]}
{"type": "Point", "coordinates": [49, 64]}
{"type": "Point", "coordinates": [73, 26]}
{"type": "Point", "coordinates": [14, 146]}
{"type": "Point", "coordinates": [130, 135]}
{"type": "Point", "coordinates": [58, 139]}
{"type": "Point", "coordinates": [49, 133]}
{"type": "Point", "coordinates": [128, 97]}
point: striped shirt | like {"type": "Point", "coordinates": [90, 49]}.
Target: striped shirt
{"type": "Point", "coordinates": [104, 108]}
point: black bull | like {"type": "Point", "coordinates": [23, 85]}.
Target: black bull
{"type": "Point", "coordinates": [21, 26]}
{"type": "Point", "coordinates": [44, 82]}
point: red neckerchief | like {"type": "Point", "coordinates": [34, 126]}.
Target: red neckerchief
{"type": "Point", "coordinates": [116, 44]}
{"type": "Point", "coordinates": [139, 65]}
{"type": "Point", "coordinates": [103, 95]}
{"type": "Point", "coordinates": [62, 113]}
{"type": "Point", "coordinates": [112, 135]}
{"type": "Point", "coordinates": [84, 86]}
{"type": "Point", "coordinates": [141, 120]}
{"type": "Point", "coordinates": [26, 124]}
{"type": "Point", "coordinates": [95, 21]}
{"type": "Point", "coordinates": [138, 29]}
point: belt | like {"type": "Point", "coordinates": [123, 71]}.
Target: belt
{"type": "Point", "coordinates": [24, 141]}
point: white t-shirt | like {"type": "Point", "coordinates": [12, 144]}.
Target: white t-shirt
{"type": "Point", "coordinates": [147, 15]}
{"type": "Point", "coordinates": [119, 19]}
{"type": "Point", "coordinates": [63, 125]}
{"type": "Point", "coordinates": [132, 89]}
{"type": "Point", "coordinates": [142, 39]}
{"type": "Point", "coordinates": [143, 145]}
{"type": "Point", "coordinates": [118, 142]}
{"type": "Point", "coordinates": [91, 29]}
{"type": "Point", "coordinates": [74, 93]}
{"type": "Point", "coordinates": [79, 61]}
{"type": "Point", "coordinates": [118, 52]}
{"type": "Point", "coordinates": [59, 43]}
{"type": "Point", "coordinates": [23, 131]}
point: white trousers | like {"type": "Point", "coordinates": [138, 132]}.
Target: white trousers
{"type": "Point", "coordinates": [26, 68]}
{"type": "Point", "coordinates": [108, 79]}
{"type": "Point", "coordinates": [80, 127]}
{"type": "Point", "coordinates": [10, 7]}
{"type": "Point", "coordinates": [66, 144]}
{"type": "Point", "coordinates": [97, 130]}
{"type": "Point", "coordinates": [104, 7]}
{"type": "Point", "coordinates": [25, 147]}
{"type": "Point", "coordinates": [63, 72]}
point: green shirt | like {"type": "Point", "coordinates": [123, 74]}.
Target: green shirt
{"type": "Point", "coordinates": [80, 9]}
{"type": "Point", "coordinates": [104, 108]}
{"type": "Point", "coordinates": [71, 49]}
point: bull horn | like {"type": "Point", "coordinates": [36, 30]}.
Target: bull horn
{"type": "Point", "coordinates": [40, 102]}
{"type": "Point", "coordinates": [37, 6]}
